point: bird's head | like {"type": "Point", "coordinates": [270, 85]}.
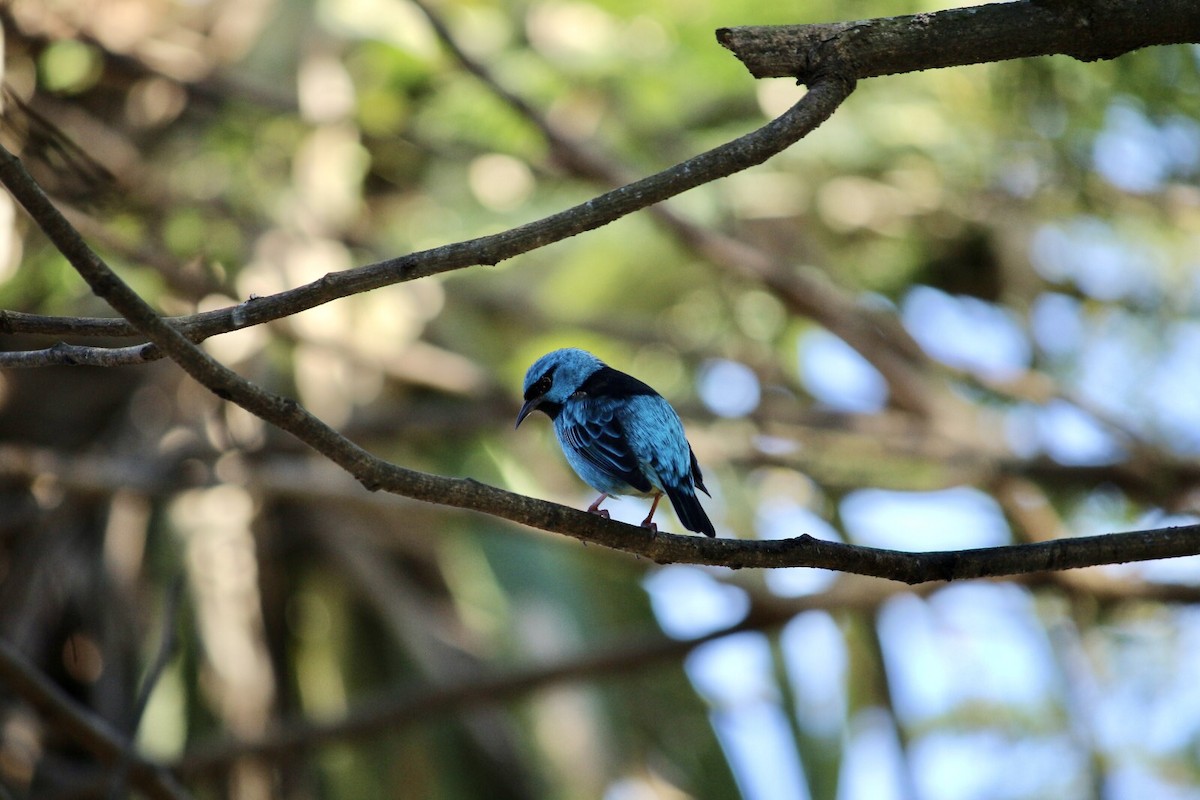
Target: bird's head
{"type": "Point", "coordinates": [553, 378]}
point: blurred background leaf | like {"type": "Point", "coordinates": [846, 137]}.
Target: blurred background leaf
{"type": "Point", "coordinates": [1033, 226]}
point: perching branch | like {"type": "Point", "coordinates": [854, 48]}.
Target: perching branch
{"type": "Point", "coordinates": [1084, 29]}
{"type": "Point", "coordinates": [376, 474]}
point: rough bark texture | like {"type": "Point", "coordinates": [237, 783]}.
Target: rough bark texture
{"type": "Point", "coordinates": [867, 48]}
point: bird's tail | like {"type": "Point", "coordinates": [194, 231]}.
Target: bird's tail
{"type": "Point", "coordinates": [690, 512]}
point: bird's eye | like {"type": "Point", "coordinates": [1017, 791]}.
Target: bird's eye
{"type": "Point", "coordinates": [540, 387]}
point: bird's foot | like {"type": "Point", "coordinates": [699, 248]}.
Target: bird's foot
{"type": "Point", "coordinates": [646, 523]}
{"type": "Point", "coordinates": [595, 508]}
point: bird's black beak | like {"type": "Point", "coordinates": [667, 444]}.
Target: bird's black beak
{"type": "Point", "coordinates": [530, 405]}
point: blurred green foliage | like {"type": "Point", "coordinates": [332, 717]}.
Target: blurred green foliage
{"type": "Point", "coordinates": [255, 149]}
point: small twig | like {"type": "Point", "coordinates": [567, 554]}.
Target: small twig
{"type": "Point", "coordinates": [75, 355]}
{"type": "Point", "coordinates": [22, 322]}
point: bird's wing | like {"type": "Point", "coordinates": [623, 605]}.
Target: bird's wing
{"type": "Point", "coordinates": [594, 431]}
{"type": "Point", "coordinates": [657, 440]}
{"type": "Point", "coordinates": [697, 476]}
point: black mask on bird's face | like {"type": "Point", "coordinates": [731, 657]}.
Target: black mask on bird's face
{"type": "Point", "coordinates": [535, 398]}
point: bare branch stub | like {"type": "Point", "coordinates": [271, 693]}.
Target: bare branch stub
{"type": "Point", "coordinates": [956, 37]}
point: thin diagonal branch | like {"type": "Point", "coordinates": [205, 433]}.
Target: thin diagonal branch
{"type": "Point", "coordinates": [735, 156]}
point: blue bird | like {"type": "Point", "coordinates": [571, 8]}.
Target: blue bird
{"type": "Point", "coordinates": [617, 433]}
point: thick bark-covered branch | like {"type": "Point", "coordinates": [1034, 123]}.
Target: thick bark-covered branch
{"type": "Point", "coordinates": [1084, 29]}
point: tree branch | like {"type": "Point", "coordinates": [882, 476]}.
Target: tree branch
{"type": "Point", "coordinates": [1084, 29]}
{"type": "Point", "coordinates": [740, 154]}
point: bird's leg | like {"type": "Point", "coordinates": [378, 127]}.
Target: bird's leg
{"type": "Point", "coordinates": [646, 523]}
{"type": "Point", "coordinates": [595, 508]}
